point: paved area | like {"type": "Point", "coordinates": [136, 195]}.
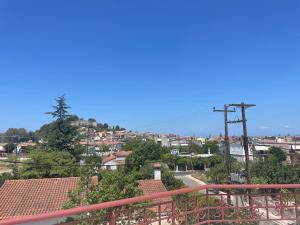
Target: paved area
{"type": "Point", "coordinates": [190, 181]}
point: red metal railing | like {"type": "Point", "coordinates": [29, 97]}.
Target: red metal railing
{"type": "Point", "coordinates": [207, 204]}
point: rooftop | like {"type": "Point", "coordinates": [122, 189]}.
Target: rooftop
{"type": "Point", "coordinates": [153, 186]}
{"type": "Point", "coordinates": [34, 196]}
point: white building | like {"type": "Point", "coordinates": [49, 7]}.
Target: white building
{"type": "Point", "coordinates": [115, 160]}
{"type": "Point", "coordinates": [237, 151]}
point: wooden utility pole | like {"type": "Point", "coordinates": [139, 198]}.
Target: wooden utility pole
{"type": "Point", "coordinates": [243, 107]}
{"type": "Point", "coordinates": [226, 141]}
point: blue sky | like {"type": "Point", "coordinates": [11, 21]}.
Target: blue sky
{"type": "Point", "coordinates": [152, 65]}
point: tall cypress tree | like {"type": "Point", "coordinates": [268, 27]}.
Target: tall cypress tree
{"type": "Point", "coordinates": [60, 112]}
{"type": "Point", "coordinates": [60, 134]}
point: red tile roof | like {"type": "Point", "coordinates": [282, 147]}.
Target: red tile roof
{"type": "Point", "coordinates": [154, 186]}
{"type": "Point", "coordinates": [122, 153]}
{"type": "Point", "coordinates": [115, 155]}
{"type": "Point", "coordinates": [108, 158]}
{"type": "Point", "coordinates": [34, 196]}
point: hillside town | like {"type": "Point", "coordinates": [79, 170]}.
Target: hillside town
{"type": "Point", "coordinates": [149, 112]}
{"type": "Point", "coordinates": [103, 158]}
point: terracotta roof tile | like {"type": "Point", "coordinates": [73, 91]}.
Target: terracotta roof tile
{"type": "Point", "coordinates": [154, 186]}
{"type": "Point", "coordinates": [122, 153]}
{"type": "Point", "coordinates": [34, 196]}
{"type": "Point", "coordinates": [115, 155]}
{"type": "Point", "coordinates": [108, 158]}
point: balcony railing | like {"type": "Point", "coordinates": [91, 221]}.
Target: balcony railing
{"type": "Point", "coordinates": [207, 204]}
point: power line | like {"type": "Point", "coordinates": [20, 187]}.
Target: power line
{"type": "Point", "coordinates": [73, 165]}
{"type": "Point", "coordinates": [40, 164]}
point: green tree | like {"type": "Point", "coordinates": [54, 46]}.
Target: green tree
{"type": "Point", "coordinates": [217, 173]}
{"type": "Point", "coordinates": [10, 147]}
{"type": "Point", "coordinates": [16, 135]}
{"type": "Point", "coordinates": [217, 170]}
{"type": "Point", "coordinates": [60, 134]}
{"type": "Point", "coordinates": [278, 153]}
{"type": "Point", "coordinates": [213, 146]}
{"type": "Point", "coordinates": [4, 177]}
{"type": "Point", "coordinates": [195, 148]}
{"type": "Point", "coordinates": [170, 160]}
{"type": "Point", "coordinates": [42, 164]}
{"type": "Point", "coordinates": [114, 185]}
{"type": "Point", "coordinates": [146, 151]}
{"type": "Point", "coordinates": [60, 112]}
{"type": "Point", "coordinates": [170, 181]}
{"type": "Point", "coordinates": [132, 144]}
{"type": "Point", "coordinates": [273, 172]}
{"type": "Point", "coordinates": [188, 162]}
{"type": "Point", "coordinates": [213, 160]}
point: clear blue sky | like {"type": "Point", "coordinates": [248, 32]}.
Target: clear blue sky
{"type": "Point", "coordinates": [152, 65]}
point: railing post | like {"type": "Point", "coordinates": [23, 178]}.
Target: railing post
{"type": "Point", "coordinates": [112, 218]}
{"type": "Point", "coordinates": [222, 208]}
{"type": "Point", "coordinates": [173, 213]}
{"type": "Point", "coordinates": [208, 206]}
{"type": "Point", "coordinates": [296, 208]}
{"type": "Point", "coordinates": [281, 206]}
{"type": "Point", "coordinates": [267, 204]}
{"type": "Point", "coordinates": [159, 214]}
{"type": "Point", "coordinates": [129, 218]}
{"type": "Point", "coordinates": [197, 210]}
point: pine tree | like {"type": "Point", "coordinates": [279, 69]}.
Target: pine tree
{"type": "Point", "coordinates": [60, 112]}
{"type": "Point", "coordinates": [60, 134]}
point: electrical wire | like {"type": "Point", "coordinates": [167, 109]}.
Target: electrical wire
{"type": "Point", "coordinates": [73, 165]}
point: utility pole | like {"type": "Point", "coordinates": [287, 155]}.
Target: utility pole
{"type": "Point", "coordinates": [226, 140]}
{"type": "Point", "coordinates": [243, 107]}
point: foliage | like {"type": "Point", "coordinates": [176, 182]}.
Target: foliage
{"type": "Point", "coordinates": [213, 146]}
{"type": "Point", "coordinates": [114, 185]}
{"type": "Point", "coordinates": [44, 164]}
{"type": "Point", "coordinates": [213, 160]}
{"type": "Point", "coordinates": [92, 164]}
{"type": "Point", "coordinates": [132, 144]}
{"type": "Point", "coordinates": [60, 134]}
{"type": "Point", "coordinates": [30, 148]}
{"type": "Point", "coordinates": [17, 135]}
{"type": "Point", "coordinates": [170, 181]}
{"type": "Point", "coordinates": [10, 147]}
{"type": "Point", "coordinates": [195, 148]}
{"type": "Point", "coordinates": [217, 172]}
{"type": "Point", "coordinates": [272, 172]}
{"type": "Point", "coordinates": [60, 112]}
{"type": "Point", "coordinates": [278, 153]}
{"type": "Point", "coordinates": [106, 127]}
{"type": "Point", "coordinates": [4, 177]}
{"type": "Point", "coordinates": [258, 180]}
{"type": "Point", "coordinates": [146, 151]}
{"type": "Point", "coordinates": [170, 160]}
{"type": "Point", "coordinates": [188, 162]}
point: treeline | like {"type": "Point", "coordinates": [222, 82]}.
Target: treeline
{"type": "Point", "coordinates": [123, 182]}
{"type": "Point", "coordinates": [17, 135]}
{"type": "Point", "coordinates": [274, 170]}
